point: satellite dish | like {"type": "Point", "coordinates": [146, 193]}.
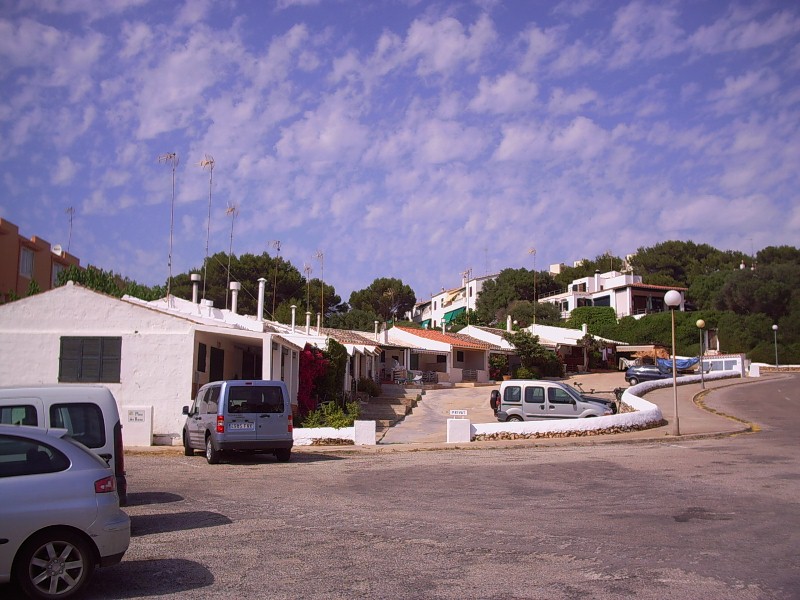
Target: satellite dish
{"type": "Point", "coordinates": [57, 249]}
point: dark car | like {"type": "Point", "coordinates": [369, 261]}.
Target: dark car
{"type": "Point", "coordinates": [641, 373]}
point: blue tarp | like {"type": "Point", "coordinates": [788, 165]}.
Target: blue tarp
{"type": "Point", "coordinates": [682, 364]}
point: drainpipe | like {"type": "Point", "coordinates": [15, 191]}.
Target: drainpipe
{"type": "Point", "coordinates": [235, 287]}
{"type": "Point", "coordinates": [195, 277]}
{"type": "Point", "coordinates": [308, 322]}
{"type": "Point", "coordinates": [261, 283]}
{"type": "Point", "coordinates": [294, 313]}
{"type": "Point", "coordinates": [376, 331]}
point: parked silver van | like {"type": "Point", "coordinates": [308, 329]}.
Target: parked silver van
{"type": "Point", "coordinates": [239, 415]}
{"type": "Point", "coordinates": [533, 400]}
{"type": "Point", "coordinates": [88, 412]}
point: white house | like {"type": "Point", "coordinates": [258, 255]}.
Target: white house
{"type": "Point", "coordinates": [448, 304]}
{"type": "Point", "coordinates": [148, 354]}
{"type": "Point", "coordinates": [623, 292]}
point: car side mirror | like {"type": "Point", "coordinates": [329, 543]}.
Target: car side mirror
{"type": "Point", "coordinates": [185, 410]}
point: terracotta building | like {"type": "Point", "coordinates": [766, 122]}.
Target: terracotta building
{"type": "Point", "coordinates": [23, 260]}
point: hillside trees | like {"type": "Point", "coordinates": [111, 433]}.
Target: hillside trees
{"type": "Point", "coordinates": [496, 296]}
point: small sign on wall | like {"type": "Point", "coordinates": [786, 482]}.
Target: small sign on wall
{"type": "Point", "coordinates": [137, 425]}
{"type": "Point", "coordinates": [136, 415]}
{"type": "Point", "coordinates": [458, 413]}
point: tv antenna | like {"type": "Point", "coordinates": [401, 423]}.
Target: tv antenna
{"type": "Point", "coordinates": [170, 158]}
{"type": "Point", "coordinates": [208, 161]}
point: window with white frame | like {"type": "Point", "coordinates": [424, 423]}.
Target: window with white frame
{"type": "Point", "coordinates": [26, 262]}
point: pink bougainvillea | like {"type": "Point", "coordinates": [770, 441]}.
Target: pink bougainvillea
{"type": "Point", "coordinates": [312, 366]}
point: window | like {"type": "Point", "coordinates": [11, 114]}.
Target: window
{"type": "Point", "coordinates": [212, 400]}
{"type": "Point", "coordinates": [21, 456]}
{"type": "Point", "coordinates": [268, 399]}
{"type": "Point", "coordinates": [558, 396]}
{"type": "Point", "coordinates": [459, 356]}
{"type": "Point", "coordinates": [83, 420]}
{"type": "Point", "coordinates": [534, 395]}
{"type": "Point", "coordinates": [441, 358]}
{"type": "Point", "coordinates": [26, 262]}
{"type": "Point", "coordinates": [57, 268]}
{"type": "Point", "coordinates": [23, 414]}
{"type": "Point", "coordinates": [513, 394]}
{"type": "Point", "coordinates": [201, 357]}
{"type": "Point", "coordinates": [90, 359]}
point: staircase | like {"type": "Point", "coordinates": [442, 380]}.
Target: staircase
{"type": "Point", "coordinates": [391, 407]}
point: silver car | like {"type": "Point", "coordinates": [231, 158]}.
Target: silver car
{"type": "Point", "coordinates": [59, 515]}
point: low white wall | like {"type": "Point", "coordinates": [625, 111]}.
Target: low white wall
{"type": "Point", "coordinates": [362, 434]}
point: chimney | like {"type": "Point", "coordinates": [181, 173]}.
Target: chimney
{"type": "Point", "coordinates": [508, 323]}
{"type": "Point", "coordinates": [195, 277]}
{"type": "Point", "coordinates": [294, 314]}
{"type": "Point", "coordinates": [585, 328]}
{"type": "Point", "coordinates": [261, 283]}
{"type": "Point", "coordinates": [308, 322]}
{"type": "Point", "coordinates": [597, 280]}
{"type": "Point", "coordinates": [376, 331]}
{"type": "Point", "coordinates": [235, 287]}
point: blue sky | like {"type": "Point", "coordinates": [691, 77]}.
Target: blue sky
{"type": "Point", "coordinates": [399, 139]}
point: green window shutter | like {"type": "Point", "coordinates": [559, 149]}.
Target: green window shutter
{"type": "Point", "coordinates": [69, 360]}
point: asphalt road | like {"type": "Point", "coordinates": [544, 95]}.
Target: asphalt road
{"type": "Point", "coordinates": [712, 519]}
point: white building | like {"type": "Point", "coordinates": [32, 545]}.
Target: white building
{"type": "Point", "coordinates": [623, 292]}
{"type": "Point", "coordinates": [445, 306]}
{"type": "Point", "coordinates": [147, 353]}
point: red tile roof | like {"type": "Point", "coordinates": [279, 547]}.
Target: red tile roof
{"type": "Point", "coordinates": [454, 339]}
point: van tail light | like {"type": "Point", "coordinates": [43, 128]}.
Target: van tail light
{"type": "Point", "coordinates": [291, 424]}
{"type": "Point", "coordinates": [105, 485]}
{"type": "Point", "coordinates": [220, 424]}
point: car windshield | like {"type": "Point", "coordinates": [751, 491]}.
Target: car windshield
{"type": "Point", "coordinates": [571, 391]}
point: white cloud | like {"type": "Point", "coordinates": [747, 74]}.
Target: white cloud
{"type": "Point", "coordinates": [740, 30]}
{"type": "Point", "coordinates": [136, 38]}
{"type": "Point", "coordinates": [644, 32]}
{"type": "Point", "coordinates": [537, 44]}
{"type": "Point", "coordinates": [565, 102]}
{"type": "Point", "coordinates": [63, 171]}
{"type": "Point", "coordinates": [738, 90]}
{"type": "Point", "coordinates": [508, 93]}
{"type": "Point", "coordinates": [442, 46]}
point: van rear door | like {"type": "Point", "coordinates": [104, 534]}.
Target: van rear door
{"type": "Point", "coordinates": [257, 410]}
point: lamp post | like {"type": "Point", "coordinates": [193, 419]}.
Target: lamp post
{"type": "Point", "coordinates": [673, 299]}
{"type": "Point", "coordinates": [700, 325]}
{"type": "Point", "coordinates": [775, 336]}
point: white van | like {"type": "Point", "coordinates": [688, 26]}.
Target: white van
{"type": "Point", "coordinates": [88, 412]}
{"type": "Point", "coordinates": [239, 415]}
{"type": "Point", "coordinates": [533, 400]}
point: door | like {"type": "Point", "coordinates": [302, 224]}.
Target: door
{"type": "Point", "coordinates": [256, 412]}
{"type": "Point", "coordinates": [216, 370]}
{"type": "Point", "coordinates": [196, 421]}
{"type": "Point", "coordinates": [560, 404]}
{"type": "Point", "coordinates": [534, 404]}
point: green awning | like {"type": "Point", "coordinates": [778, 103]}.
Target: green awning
{"type": "Point", "coordinates": [426, 324]}
{"type": "Point", "coordinates": [449, 316]}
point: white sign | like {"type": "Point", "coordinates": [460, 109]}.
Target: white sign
{"type": "Point", "coordinates": [135, 416]}
{"type": "Point", "coordinates": [458, 413]}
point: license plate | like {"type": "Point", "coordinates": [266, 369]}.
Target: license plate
{"type": "Point", "coordinates": [242, 426]}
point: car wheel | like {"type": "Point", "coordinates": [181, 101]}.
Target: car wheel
{"type": "Point", "coordinates": [633, 381]}
{"type": "Point", "coordinates": [283, 454]}
{"type": "Point", "coordinates": [54, 564]}
{"type": "Point", "coordinates": [187, 449]}
{"type": "Point", "coordinates": [212, 455]}
{"type": "Point", "coordinates": [515, 418]}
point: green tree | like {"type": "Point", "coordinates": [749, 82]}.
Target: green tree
{"type": "Point", "coordinates": [109, 283]}
{"type": "Point", "coordinates": [511, 285]}
{"type": "Point", "coordinates": [599, 319]}
{"type": "Point", "coordinates": [678, 263]}
{"type": "Point", "coordinates": [354, 319]}
{"type": "Point", "coordinates": [389, 298]}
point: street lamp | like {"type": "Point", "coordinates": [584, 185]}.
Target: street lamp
{"type": "Point", "coordinates": [700, 325]}
{"type": "Point", "coordinates": [775, 335]}
{"type": "Point", "coordinates": [673, 299]}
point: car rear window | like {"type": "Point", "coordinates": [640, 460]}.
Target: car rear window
{"type": "Point", "coordinates": [22, 456]}
{"type": "Point", "coordinates": [249, 399]}
{"type": "Point", "coordinates": [83, 420]}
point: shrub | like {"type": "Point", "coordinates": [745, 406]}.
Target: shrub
{"type": "Point", "coordinates": [331, 414]}
{"type": "Point", "coordinates": [369, 386]}
{"type": "Point", "coordinates": [524, 373]}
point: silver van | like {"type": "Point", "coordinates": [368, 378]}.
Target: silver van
{"type": "Point", "coordinates": [88, 412]}
{"type": "Point", "coordinates": [239, 415]}
{"type": "Point", "coordinates": [533, 400]}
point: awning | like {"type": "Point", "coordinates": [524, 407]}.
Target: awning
{"type": "Point", "coordinates": [449, 316]}
{"type": "Point", "coordinates": [426, 324]}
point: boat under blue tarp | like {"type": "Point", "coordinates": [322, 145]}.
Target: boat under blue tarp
{"type": "Point", "coordinates": [681, 364]}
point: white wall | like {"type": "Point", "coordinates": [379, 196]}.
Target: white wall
{"type": "Point", "coordinates": [156, 364]}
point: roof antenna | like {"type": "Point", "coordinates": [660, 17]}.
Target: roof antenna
{"type": "Point", "coordinates": [208, 161]}
{"type": "Point", "coordinates": [172, 159]}
{"type": "Point", "coordinates": [233, 211]}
